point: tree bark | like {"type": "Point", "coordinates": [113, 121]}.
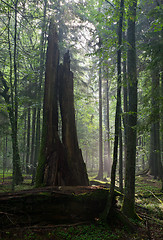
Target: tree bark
{"type": "Point", "coordinates": [76, 165]}
{"type": "Point", "coordinates": [120, 158]}
{"type": "Point", "coordinates": [128, 207]}
{"type": "Point", "coordinates": [125, 100]}
{"type": "Point", "coordinates": [155, 163]}
{"type": "Point", "coordinates": [50, 114]}
{"type": "Point", "coordinates": [162, 117]}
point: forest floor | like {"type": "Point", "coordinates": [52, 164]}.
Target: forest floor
{"type": "Point", "coordinates": [149, 206]}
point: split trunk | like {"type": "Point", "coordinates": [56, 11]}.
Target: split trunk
{"type": "Point", "coordinates": [60, 162]}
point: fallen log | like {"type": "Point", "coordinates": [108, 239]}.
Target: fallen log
{"type": "Point", "coordinates": [52, 205]}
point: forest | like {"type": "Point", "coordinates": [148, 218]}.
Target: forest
{"type": "Point", "coordinates": [81, 119]}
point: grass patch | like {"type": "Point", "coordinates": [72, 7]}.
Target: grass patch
{"type": "Point", "coordinates": [81, 232]}
{"type": "Point", "coordinates": [6, 183]}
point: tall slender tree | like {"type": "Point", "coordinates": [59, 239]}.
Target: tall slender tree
{"type": "Point", "coordinates": [100, 172]}
{"type": "Point", "coordinates": [39, 83]}
{"type": "Point", "coordinates": [117, 114]}
{"type": "Point", "coordinates": [108, 124]}
{"type": "Point", "coordinates": [128, 207]}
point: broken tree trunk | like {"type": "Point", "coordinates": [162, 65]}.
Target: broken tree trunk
{"type": "Point", "coordinates": [60, 163]}
{"type": "Point", "coordinates": [77, 168]}
{"type": "Point", "coordinates": [51, 150]}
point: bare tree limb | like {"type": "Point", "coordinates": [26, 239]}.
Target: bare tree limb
{"type": "Point", "coordinates": [110, 3]}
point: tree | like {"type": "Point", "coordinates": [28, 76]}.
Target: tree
{"type": "Point", "coordinates": [17, 175]}
{"type": "Point", "coordinates": [12, 102]}
{"type": "Point", "coordinates": [117, 115]}
{"type": "Point", "coordinates": [128, 207]}
{"type": "Point", "coordinates": [151, 72]}
{"type": "Point", "coordinates": [107, 120]}
{"type": "Point", "coordinates": [100, 172]}
{"type": "Point", "coordinates": [39, 95]}
{"type": "Point", "coordinates": [60, 163]}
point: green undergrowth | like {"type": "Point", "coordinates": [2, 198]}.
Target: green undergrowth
{"type": "Point", "coordinates": [6, 183]}
{"type": "Point", "coordinates": [148, 198]}
{"type": "Point", "coordinates": [81, 232]}
{"type": "Point", "coordinates": [149, 195]}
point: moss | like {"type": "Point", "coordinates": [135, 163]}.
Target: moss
{"type": "Point", "coordinates": [48, 194]}
{"type": "Point", "coordinates": [128, 208]}
{"type": "Point", "coordinates": [98, 195]}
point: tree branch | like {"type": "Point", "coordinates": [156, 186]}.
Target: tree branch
{"type": "Point", "coordinates": [110, 3]}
